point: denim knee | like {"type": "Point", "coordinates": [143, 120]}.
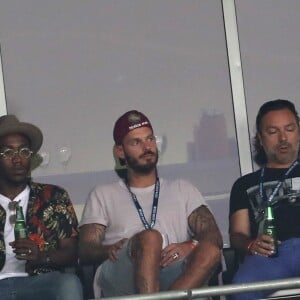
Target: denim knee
{"type": "Point", "coordinates": [69, 287]}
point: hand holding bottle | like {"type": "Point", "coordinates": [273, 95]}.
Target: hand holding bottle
{"type": "Point", "coordinates": [262, 245]}
{"type": "Point", "coordinates": [25, 249]}
{"type": "Point", "coordinates": [20, 248]}
{"type": "Point", "coordinates": [270, 229]}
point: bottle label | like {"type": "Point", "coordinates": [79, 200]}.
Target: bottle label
{"type": "Point", "coordinates": [21, 233]}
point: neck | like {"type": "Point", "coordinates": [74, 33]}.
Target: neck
{"type": "Point", "coordinates": [141, 180]}
{"type": "Point", "coordinates": [11, 191]}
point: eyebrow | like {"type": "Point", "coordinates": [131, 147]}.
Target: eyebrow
{"type": "Point", "coordinates": [274, 126]}
{"type": "Point", "coordinates": [25, 145]}
{"type": "Point", "coordinates": [142, 138]}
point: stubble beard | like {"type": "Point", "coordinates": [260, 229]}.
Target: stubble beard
{"type": "Point", "coordinates": [142, 169]}
{"type": "Point", "coordinates": [284, 159]}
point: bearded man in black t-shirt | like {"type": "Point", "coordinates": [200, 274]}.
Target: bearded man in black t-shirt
{"type": "Point", "coordinates": [277, 183]}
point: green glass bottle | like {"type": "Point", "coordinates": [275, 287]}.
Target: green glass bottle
{"type": "Point", "coordinates": [20, 226]}
{"type": "Point", "coordinates": [270, 228]}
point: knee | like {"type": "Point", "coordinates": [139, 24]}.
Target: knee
{"type": "Point", "coordinates": [69, 286]}
{"type": "Point", "coordinates": [145, 241]}
{"type": "Point", "coordinates": [149, 237]}
{"type": "Point", "coordinates": [209, 255]}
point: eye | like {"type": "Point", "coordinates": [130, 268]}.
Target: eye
{"type": "Point", "coordinates": [25, 152]}
{"type": "Point", "coordinates": [134, 142]}
{"type": "Point", "coordinates": [151, 139]}
{"type": "Point", "coordinates": [8, 153]}
{"type": "Point", "coordinates": [291, 128]}
{"type": "Point", "coordinates": [271, 130]}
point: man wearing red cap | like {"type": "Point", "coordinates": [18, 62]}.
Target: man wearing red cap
{"type": "Point", "coordinates": [152, 234]}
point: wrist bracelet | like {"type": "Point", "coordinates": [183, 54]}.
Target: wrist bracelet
{"type": "Point", "coordinates": [193, 244]}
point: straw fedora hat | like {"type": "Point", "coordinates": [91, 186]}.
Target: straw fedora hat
{"type": "Point", "coordinates": [9, 124]}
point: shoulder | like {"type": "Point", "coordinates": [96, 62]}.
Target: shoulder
{"type": "Point", "coordinates": [108, 191]}
{"type": "Point", "coordinates": [45, 190]}
{"type": "Point", "coordinates": [181, 188]}
{"type": "Point", "coordinates": [177, 184]}
{"type": "Point", "coordinates": [45, 186]}
{"type": "Point", "coordinates": [109, 187]}
{"type": "Point", "coordinates": [247, 180]}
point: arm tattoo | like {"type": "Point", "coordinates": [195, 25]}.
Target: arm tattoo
{"type": "Point", "coordinates": [93, 234]}
{"type": "Point", "coordinates": [204, 226]}
{"type": "Point", "coordinates": [91, 249]}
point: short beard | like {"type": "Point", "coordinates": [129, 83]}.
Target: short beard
{"type": "Point", "coordinates": [145, 169]}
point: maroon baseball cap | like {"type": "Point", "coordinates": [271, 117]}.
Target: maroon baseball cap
{"type": "Point", "coordinates": [129, 121]}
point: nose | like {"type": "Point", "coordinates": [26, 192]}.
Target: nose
{"type": "Point", "coordinates": [144, 143]}
{"type": "Point", "coordinates": [283, 136]}
{"type": "Point", "coordinates": [147, 144]}
{"type": "Point", "coordinates": [16, 157]}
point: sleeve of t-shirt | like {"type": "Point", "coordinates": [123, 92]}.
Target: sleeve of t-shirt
{"type": "Point", "coordinates": [238, 197]}
{"type": "Point", "coordinates": [193, 196]}
{"type": "Point", "coordinates": [95, 209]}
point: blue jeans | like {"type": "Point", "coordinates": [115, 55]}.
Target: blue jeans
{"type": "Point", "coordinates": [259, 268]}
{"type": "Point", "coordinates": [48, 286]}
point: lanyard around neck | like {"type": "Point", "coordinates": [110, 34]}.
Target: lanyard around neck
{"type": "Point", "coordinates": [154, 205]}
{"type": "Point", "coordinates": [278, 185]}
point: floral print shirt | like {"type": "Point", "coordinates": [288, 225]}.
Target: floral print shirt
{"type": "Point", "coordinates": [50, 217]}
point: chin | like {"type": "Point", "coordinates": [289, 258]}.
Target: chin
{"type": "Point", "coordinates": [19, 179]}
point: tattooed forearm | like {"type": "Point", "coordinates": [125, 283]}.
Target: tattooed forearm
{"type": "Point", "coordinates": [90, 243]}
{"type": "Point", "coordinates": [204, 226]}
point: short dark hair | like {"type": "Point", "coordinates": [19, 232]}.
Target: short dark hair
{"type": "Point", "coordinates": [259, 153]}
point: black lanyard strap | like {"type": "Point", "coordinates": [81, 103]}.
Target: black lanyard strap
{"type": "Point", "coordinates": [154, 205]}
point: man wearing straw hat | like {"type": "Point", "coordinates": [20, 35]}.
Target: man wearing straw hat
{"type": "Point", "coordinates": [30, 268]}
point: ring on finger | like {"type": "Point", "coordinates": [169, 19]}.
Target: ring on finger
{"type": "Point", "coordinates": [175, 255]}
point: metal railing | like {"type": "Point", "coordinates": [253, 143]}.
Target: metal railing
{"type": "Point", "coordinates": [281, 284]}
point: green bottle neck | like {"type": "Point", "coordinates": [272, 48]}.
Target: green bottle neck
{"type": "Point", "coordinates": [19, 214]}
{"type": "Point", "coordinates": [269, 212]}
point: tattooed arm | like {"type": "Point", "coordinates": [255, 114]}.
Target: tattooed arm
{"type": "Point", "coordinates": [91, 249]}
{"type": "Point", "coordinates": [204, 227]}
{"type": "Point", "coordinates": [205, 258]}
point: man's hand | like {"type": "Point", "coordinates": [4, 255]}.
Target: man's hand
{"type": "Point", "coordinates": [114, 248]}
{"type": "Point", "coordinates": [262, 245]}
{"type": "Point", "coordinates": [174, 252]}
{"type": "Point", "coordinates": [25, 249]}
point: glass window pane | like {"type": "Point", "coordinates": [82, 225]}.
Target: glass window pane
{"type": "Point", "coordinates": [269, 51]}
{"type": "Point", "coordinates": [74, 69]}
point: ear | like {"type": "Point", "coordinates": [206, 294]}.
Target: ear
{"type": "Point", "coordinates": [119, 152]}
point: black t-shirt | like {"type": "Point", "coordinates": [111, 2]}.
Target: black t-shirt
{"type": "Point", "coordinates": [245, 194]}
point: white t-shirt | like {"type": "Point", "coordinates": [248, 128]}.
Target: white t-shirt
{"type": "Point", "coordinates": [112, 206]}
{"type": "Point", "coordinates": [13, 267]}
